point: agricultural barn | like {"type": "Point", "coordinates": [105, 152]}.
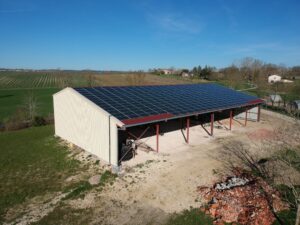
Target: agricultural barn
{"type": "Point", "coordinates": [101, 119]}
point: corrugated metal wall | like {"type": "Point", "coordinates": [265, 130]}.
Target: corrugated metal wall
{"type": "Point", "coordinates": [82, 123]}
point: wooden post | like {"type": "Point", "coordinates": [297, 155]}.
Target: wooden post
{"type": "Point", "coordinates": [187, 129]}
{"type": "Point", "coordinates": [246, 117]}
{"type": "Point", "coordinates": [230, 122]}
{"type": "Point", "coordinates": [157, 137]}
{"type": "Point", "coordinates": [212, 124]}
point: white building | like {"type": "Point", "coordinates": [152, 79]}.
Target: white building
{"type": "Point", "coordinates": [185, 74]}
{"type": "Point", "coordinates": [83, 123]}
{"type": "Point", "coordinates": [274, 78]}
{"type": "Point", "coordinates": [166, 72]}
{"type": "Point", "coordinates": [104, 120]}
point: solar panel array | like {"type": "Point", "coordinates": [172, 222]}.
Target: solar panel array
{"type": "Point", "coordinates": [141, 101]}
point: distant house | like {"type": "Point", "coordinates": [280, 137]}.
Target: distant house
{"type": "Point", "coordinates": [274, 78]}
{"type": "Point", "coordinates": [287, 81]}
{"type": "Point", "coordinates": [186, 74]}
{"type": "Point", "coordinates": [166, 71]}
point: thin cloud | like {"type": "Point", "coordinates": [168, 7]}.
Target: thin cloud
{"type": "Point", "coordinates": [229, 12]}
{"type": "Point", "coordinates": [172, 22]}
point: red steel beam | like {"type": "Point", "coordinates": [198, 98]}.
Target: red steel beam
{"type": "Point", "coordinates": [230, 122]}
{"type": "Point", "coordinates": [258, 114]}
{"type": "Point", "coordinates": [246, 117]}
{"type": "Point", "coordinates": [212, 117]}
{"type": "Point", "coordinates": [187, 129]}
{"type": "Point", "coordinates": [157, 137]}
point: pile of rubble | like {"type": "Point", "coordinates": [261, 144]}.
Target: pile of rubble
{"type": "Point", "coordinates": [242, 199]}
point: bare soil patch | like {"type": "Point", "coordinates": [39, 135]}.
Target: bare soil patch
{"type": "Point", "coordinates": [152, 186]}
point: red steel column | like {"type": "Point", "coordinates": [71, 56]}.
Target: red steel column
{"type": "Point", "coordinates": [187, 129]}
{"type": "Point", "coordinates": [230, 123]}
{"type": "Point", "coordinates": [157, 137]}
{"type": "Point", "coordinates": [246, 117]}
{"type": "Point", "coordinates": [212, 117]}
{"type": "Point", "coordinates": [258, 114]}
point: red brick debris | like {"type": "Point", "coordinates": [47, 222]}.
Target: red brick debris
{"type": "Point", "coordinates": [242, 199]}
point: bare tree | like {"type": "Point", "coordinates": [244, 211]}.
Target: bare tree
{"type": "Point", "coordinates": [277, 161]}
{"type": "Point", "coordinates": [30, 105]}
{"type": "Point", "coordinates": [250, 68]}
{"type": "Point", "coordinates": [90, 80]}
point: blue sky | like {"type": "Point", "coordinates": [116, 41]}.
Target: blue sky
{"type": "Point", "coordinates": [142, 34]}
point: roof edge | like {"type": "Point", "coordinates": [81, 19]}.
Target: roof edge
{"type": "Point", "coordinates": [117, 121]}
{"type": "Point", "coordinates": [196, 113]}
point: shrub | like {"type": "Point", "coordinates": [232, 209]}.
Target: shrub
{"type": "Point", "coordinates": [39, 121]}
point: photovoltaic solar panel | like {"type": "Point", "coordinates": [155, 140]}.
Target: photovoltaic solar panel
{"type": "Point", "coordinates": [135, 104]}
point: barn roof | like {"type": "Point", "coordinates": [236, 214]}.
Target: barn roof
{"type": "Point", "coordinates": [134, 105]}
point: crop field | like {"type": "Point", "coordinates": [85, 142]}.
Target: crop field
{"type": "Point", "coordinates": [16, 85]}
{"type": "Point", "coordinates": [60, 79]}
{"type": "Point", "coordinates": [39, 79]}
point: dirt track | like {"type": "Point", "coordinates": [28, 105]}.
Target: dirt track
{"type": "Point", "coordinates": [153, 185]}
{"type": "Point", "coordinates": [158, 184]}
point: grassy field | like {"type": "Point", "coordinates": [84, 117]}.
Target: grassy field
{"type": "Point", "coordinates": [10, 100]}
{"type": "Point", "coordinates": [12, 79]}
{"type": "Point", "coordinates": [15, 86]}
{"type": "Point", "coordinates": [60, 79]}
{"type": "Point", "coordinates": [35, 167]}
{"type": "Point", "coordinates": [32, 164]}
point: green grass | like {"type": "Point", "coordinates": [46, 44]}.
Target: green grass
{"type": "Point", "coordinates": [42, 79]}
{"type": "Point", "coordinates": [14, 86]}
{"type": "Point", "coordinates": [60, 79]}
{"type": "Point", "coordinates": [32, 164]}
{"type": "Point", "coordinates": [288, 217]}
{"type": "Point", "coordinates": [10, 100]}
{"type": "Point", "coordinates": [79, 190]}
{"type": "Point", "coordinates": [190, 217]}
{"type": "Point", "coordinates": [236, 86]}
{"type": "Point", "coordinates": [180, 78]}
{"type": "Point", "coordinates": [66, 215]}
{"type": "Point", "coordinates": [292, 156]}
{"type": "Point", "coordinates": [107, 177]}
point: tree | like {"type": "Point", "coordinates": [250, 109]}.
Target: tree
{"type": "Point", "coordinates": [196, 71]}
{"type": "Point", "coordinates": [90, 80]}
{"type": "Point", "coordinates": [206, 72]}
{"type": "Point", "coordinates": [250, 68]}
{"type": "Point", "coordinates": [233, 75]}
{"type": "Point", "coordinates": [30, 105]}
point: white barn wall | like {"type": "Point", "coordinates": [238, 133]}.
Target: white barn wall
{"type": "Point", "coordinates": [81, 122]}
